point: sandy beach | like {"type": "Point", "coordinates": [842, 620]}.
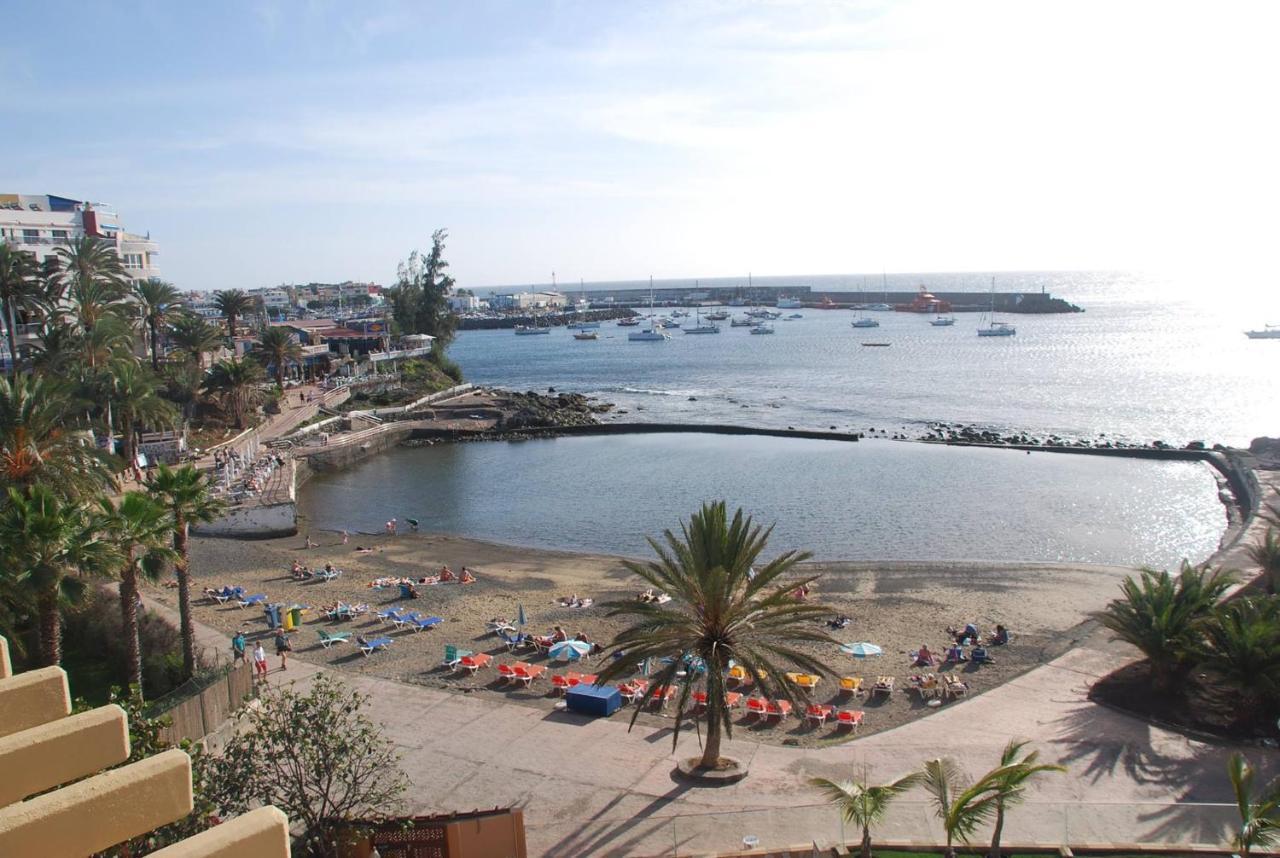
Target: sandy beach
{"type": "Point", "coordinates": [898, 606]}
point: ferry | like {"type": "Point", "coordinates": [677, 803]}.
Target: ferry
{"type": "Point", "coordinates": [788, 303]}
{"type": "Point", "coordinates": [1268, 332]}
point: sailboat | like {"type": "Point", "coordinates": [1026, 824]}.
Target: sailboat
{"type": "Point", "coordinates": [864, 322]}
{"type": "Point", "coordinates": [699, 327]}
{"type": "Point", "coordinates": [529, 330]}
{"type": "Point", "coordinates": [994, 328]}
{"type": "Point", "coordinates": [654, 333]}
{"type": "Point", "coordinates": [884, 305]}
{"type": "Point", "coordinates": [942, 321]}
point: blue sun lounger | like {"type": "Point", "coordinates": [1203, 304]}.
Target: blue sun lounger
{"type": "Point", "coordinates": [421, 623]}
{"type": "Point", "coordinates": [255, 599]}
{"type": "Point", "coordinates": [371, 646]}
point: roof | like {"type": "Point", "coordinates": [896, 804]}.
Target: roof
{"type": "Point", "coordinates": [337, 333]}
{"type": "Point", "coordinates": [306, 324]}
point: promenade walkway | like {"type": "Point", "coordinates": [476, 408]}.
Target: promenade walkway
{"type": "Point", "coordinates": [591, 787]}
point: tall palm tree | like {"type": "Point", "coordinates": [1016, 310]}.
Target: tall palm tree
{"type": "Point", "coordinates": [92, 279]}
{"type": "Point", "coordinates": [276, 348]}
{"type": "Point", "coordinates": [158, 302]}
{"type": "Point", "coordinates": [1242, 645]}
{"type": "Point", "coordinates": [182, 385]}
{"type": "Point", "coordinates": [39, 442]}
{"type": "Point", "coordinates": [140, 529]}
{"type": "Point", "coordinates": [863, 805]}
{"type": "Point", "coordinates": [1010, 779]}
{"type": "Point", "coordinates": [719, 611]}
{"type": "Point", "coordinates": [1163, 616]}
{"type": "Point", "coordinates": [233, 381]}
{"type": "Point", "coordinates": [962, 807]}
{"type": "Point", "coordinates": [188, 496]}
{"type": "Point", "coordinates": [59, 348]}
{"type": "Point", "coordinates": [233, 304]}
{"type": "Point", "coordinates": [1266, 554]}
{"type": "Point", "coordinates": [1259, 815]}
{"type": "Point", "coordinates": [46, 542]}
{"type": "Point", "coordinates": [135, 402]}
{"type": "Point", "coordinates": [194, 335]}
{"type": "Point", "coordinates": [19, 288]}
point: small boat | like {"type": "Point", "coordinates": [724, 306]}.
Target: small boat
{"type": "Point", "coordinates": [943, 321]}
{"type": "Point", "coordinates": [628, 323]}
{"type": "Point", "coordinates": [699, 328]}
{"type": "Point", "coordinates": [787, 303]}
{"type": "Point", "coordinates": [718, 316]}
{"type": "Point", "coordinates": [994, 328]}
{"type": "Point", "coordinates": [679, 314]}
{"type": "Point", "coordinates": [880, 308]}
{"type": "Point", "coordinates": [584, 326]}
{"type": "Point", "coordinates": [654, 333]}
{"type": "Point", "coordinates": [1268, 332]}
{"type": "Point", "coordinates": [585, 335]}
{"type": "Point", "coordinates": [877, 345]}
{"type": "Point", "coordinates": [741, 323]}
{"type": "Point", "coordinates": [529, 330]}
{"type": "Point", "coordinates": [864, 322]}
{"type": "Point", "coordinates": [669, 323]}
{"type": "Point", "coordinates": [762, 328]}
{"type": "Point", "coordinates": [794, 316]}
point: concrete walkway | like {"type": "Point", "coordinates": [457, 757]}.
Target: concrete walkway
{"type": "Point", "coordinates": [591, 787]}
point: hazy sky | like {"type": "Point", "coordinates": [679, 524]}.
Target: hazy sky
{"type": "Point", "coordinates": [284, 142]}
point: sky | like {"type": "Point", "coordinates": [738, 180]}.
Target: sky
{"type": "Point", "coordinates": [277, 142]}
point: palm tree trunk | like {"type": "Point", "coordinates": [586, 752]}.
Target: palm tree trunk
{"type": "Point", "coordinates": [182, 569]}
{"type": "Point", "coordinates": [50, 628]}
{"type": "Point", "coordinates": [155, 345]}
{"type": "Point", "coordinates": [711, 753]}
{"type": "Point", "coordinates": [129, 620]}
{"type": "Point", "coordinates": [231, 327]}
{"type": "Point", "coordinates": [866, 841]}
{"type": "Point", "coordinates": [13, 338]}
{"type": "Point", "coordinates": [999, 829]}
{"type": "Point", "coordinates": [128, 442]}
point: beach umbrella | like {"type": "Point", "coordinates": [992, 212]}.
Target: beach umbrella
{"type": "Point", "coordinates": [569, 650]}
{"type": "Point", "coordinates": [520, 617]}
{"type": "Point", "coordinates": [862, 649]}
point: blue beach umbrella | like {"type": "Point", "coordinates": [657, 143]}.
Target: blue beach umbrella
{"type": "Point", "coordinates": [862, 649]}
{"type": "Point", "coordinates": [520, 616]}
{"type": "Point", "coordinates": [569, 650]}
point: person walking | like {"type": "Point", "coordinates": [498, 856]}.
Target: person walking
{"type": "Point", "coordinates": [260, 660]}
{"type": "Point", "coordinates": [282, 648]}
{"type": "Point", "coordinates": [237, 647]}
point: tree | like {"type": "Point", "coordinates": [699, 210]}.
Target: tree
{"type": "Point", "coordinates": [1259, 815]}
{"type": "Point", "coordinates": [232, 304]}
{"type": "Point", "coordinates": [188, 496]}
{"type": "Point", "coordinates": [719, 611]}
{"type": "Point", "coordinates": [314, 755]}
{"type": "Point", "coordinates": [39, 442]}
{"type": "Point", "coordinates": [46, 542]}
{"type": "Point", "coordinates": [19, 289]}
{"type": "Point", "coordinates": [419, 300]}
{"type": "Point", "coordinates": [58, 349]}
{"type": "Point", "coordinates": [1163, 616]}
{"type": "Point", "coordinates": [863, 805]}
{"type": "Point", "coordinates": [277, 347]}
{"type": "Point", "coordinates": [1266, 554]}
{"type": "Point", "coordinates": [135, 402]}
{"type": "Point", "coordinates": [194, 336]}
{"type": "Point", "coordinates": [1010, 780]}
{"type": "Point", "coordinates": [139, 529]}
{"type": "Point", "coordinates": [233, 381]}
{"type": "Point", "coordinates": [1242, 645]}
{"type": "Point", "coordinates": [92, 280]}
{"type": "Point", "coordinates": [158, 302]}
{"type": "Point", "coordinates": [962, 808]}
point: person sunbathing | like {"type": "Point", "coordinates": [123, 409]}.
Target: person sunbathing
{"type": "Point", "coordinates": [840, 622]}
{"type": "Point", "coordinates": [446, 575]}
{"type": "Point", "coordinates": [559, 635]}
{"type": "Point", "coordinates": [1001, 637]}
{"type": "Point", "coordinates": [365, 549]}
{"type": "Point", "coordinates": [956, 654]}
{"type": "Point", "coordinates": [924, 658]}
{"type": "Point", "coordinates": [647, 596]}
{"type": "Point", "coordinates": [467, 577]}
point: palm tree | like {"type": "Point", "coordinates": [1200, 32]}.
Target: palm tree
{"type": "Point", "coordinates": [158, 302]}
{"type": "Point", "coordinates": [194, 335]}
{"type": "Point", "coordinates": [182, 385]}
{"type": "Point", "coordinates": [1242, 645]}
{"type": "Point", "coordinates": [45, 543]}
{"type": "Point", "coordinates": [1163, 616]}
{"type": "Point", "coordinates": [276, 348]}
{"type": "Point", "coordinates": [233, 382]}
{"type": "Point", "coordinates": [19, 288]}
{"type": "Point", "coordinates": [39, 442]}
{"type": "Point", "coordinates": [962, 808]}
{"type": "Point", "coordinates": [188, 496]}
{"type": "Point", "coordinates": [140, 529]}
{"type": "Point", "coordinates": [233, 304]}
{"type": "Point", "coordinates": [135, 402]}
{"type": "Point", "coordinates": [1011, 778]}
{"type": "Point", "coordinates": [719, 611]}
{"type": "Point", "coordinates": [92, 279]}
{"type": "Point", "coordinates": [864, 805]}
{"type": "Point", "coordinates": [1266, 554]}
{"type": "Point", "coordinates": [58, 350]}
{"type": "Point", "coordinates": [1260, 815]}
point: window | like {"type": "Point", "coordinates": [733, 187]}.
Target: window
{"type": "Point", "coordinates": [133, 260]}
{"type": "Point", "coordinates": [59, 233]}
{"type": "Point", "coordinates": [31, 236]}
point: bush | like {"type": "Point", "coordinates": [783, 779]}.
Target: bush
{"type": "Point", "coordinates": [446, 364]}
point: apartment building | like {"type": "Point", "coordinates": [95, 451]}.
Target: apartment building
{"type": "Point", "coordinates": [41, 224]}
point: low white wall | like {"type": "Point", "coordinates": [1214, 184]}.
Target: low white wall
{"type": "Point", "coordinates": [280, 519]}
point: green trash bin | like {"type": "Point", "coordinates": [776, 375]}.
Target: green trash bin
{"type": "Point", "coordinates": [295, 614]}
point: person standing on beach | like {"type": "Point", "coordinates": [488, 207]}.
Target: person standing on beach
{"type": "Point", "coordinates": [282, 648]}
{"type": "Point", "coordinates": [237, 646]}
{"type": "Point", "coordinates": [345, 537]}
{"type": "Point", "coordinates": [260, 660]}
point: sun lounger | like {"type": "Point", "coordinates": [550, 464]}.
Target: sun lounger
{"type": "Point", "coordinates": [850, 684]}
{"type": "Point", "coordinates": [514, 643]}
{"type": "Point", "coordinates": [562, 682]}
{"type": "Point", "coordinates": [633, 690]}
{"type": "Point", "coordinates": [527, 673]}
{"type": "Point", "coordinates": [226, 594]}
{"type": "Point", "coordinates": [328, 639]}
{"type": "Point", "coordinates": [779, 709]}
{"type": "Point", "coordinates": [757, 706]}
{"type": "Point", "coordinates": [954, 686]}
{"type": "Point", "coordinates": [501, 627]}
{"type": "Point", "coordinates": [255, 599]}
{"type": "Point", "coordinates": [818, 713]}
{"type": "Point", "coordinates": [884, 685]}
{"type": "Point", "coordinates": [472, 663]}
{"type": "Point", "coordinates": [849, 719]}
{"type": "Point", "coordinates": [453, 655]}
{"type": "Point", "coordinates": [328, 574]}
{"type": "Point", "coordinates": [425, 623]}
{"type": "Point", "coordinates": [506, 672]}
{"type": "Point", "coordinates": [738, 674]}
{"type": "Point", "coordinates": [372, 646]}
{"type": "Point", "coordinates": [658, 698]}
{"type": "Point", "coordinates": [804, 680]}
{"type": "Point", "coordinates": [406, 619]}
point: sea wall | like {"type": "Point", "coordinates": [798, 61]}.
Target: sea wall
{"type": "Point", "coordinates": [257, 521]}
{"type": "Point", "coordinates": [426, 432]}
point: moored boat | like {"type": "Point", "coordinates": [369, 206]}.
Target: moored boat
{"type": "Point", "coordinates": [1268, 332]}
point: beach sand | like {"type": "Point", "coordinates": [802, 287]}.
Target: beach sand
{"type": "Point", "coordinates": [898, 606]}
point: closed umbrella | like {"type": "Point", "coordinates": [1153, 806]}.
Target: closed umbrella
{"type": "Point", "coordinates": [569, 650]}
{"type": "Point", "coordinates": [862, 649]}
{"type": "Point", "coordinates": [520, 616]}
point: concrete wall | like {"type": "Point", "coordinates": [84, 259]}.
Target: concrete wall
{"type": "Point", "coordinates": [257, 522]}
{"type": "Point", "coordinates": [351, 449]}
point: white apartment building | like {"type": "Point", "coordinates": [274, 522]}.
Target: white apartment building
{"type": "Point", "coordinates": [42, 224]}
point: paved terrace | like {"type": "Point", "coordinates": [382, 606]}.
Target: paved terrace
{"type": "Point", "coordinates": [591, 787]}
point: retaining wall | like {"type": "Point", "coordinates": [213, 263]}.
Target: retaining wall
{"type": "Point", "coordinates": [201, 714]}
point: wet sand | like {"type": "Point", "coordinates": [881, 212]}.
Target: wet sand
{"type": "Point", "coordinates": [898, 606]}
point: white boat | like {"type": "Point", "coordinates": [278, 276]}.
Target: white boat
{"type": "Point", "coordinates": [994, 328]}
{"type": "Point", "coordinates": [654, 333]}
{"type": "Point", "coordinates": [943, 321]}
{"type": "Point", "coordinates": [679, 314]}
{"type": "Point", "coordinates": [669, 323]}
{"type": "Point", "coordinates": [1268, 332]}
{"type": "Point", "coordinates": [762, 328]}
{"type": "Point", "coordinates": [718, 316]}
{"type": "Point", "coordinates": [880, 308]}
{"type": "Point", "coordinates": [794, 316]}
{"type": "Point", "coordinates": [585, 335]}
{"type": "Point", "coordinates": [629, 322]}
{"type": "Point", "coordinates": [584, 326]}
{"type": "Point", "coordinates": [738, 322]}
{"type": "Point", "coordinates": [864, 322]}
{"type": "Point", "coordinates": [699, 328]}
{"type": "Point", "coordinates": [530, 330]}
{"type": "Point", "coordinates": [787, 303]}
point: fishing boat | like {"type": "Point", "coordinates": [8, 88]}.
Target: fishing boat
{"type": "Point", "coordinates": [1268, 332]}
{"type": "Point", "coordinates": [994, 328]}
{"type": "Point", "coordinates": [654, 333]}
{"type": "Point", "coordinates": [762, 328]}
{"type": "Point", "coordinates": [585, 335]}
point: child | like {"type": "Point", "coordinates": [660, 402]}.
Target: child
{"type": "Point", "coordinates": [260, 660]}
